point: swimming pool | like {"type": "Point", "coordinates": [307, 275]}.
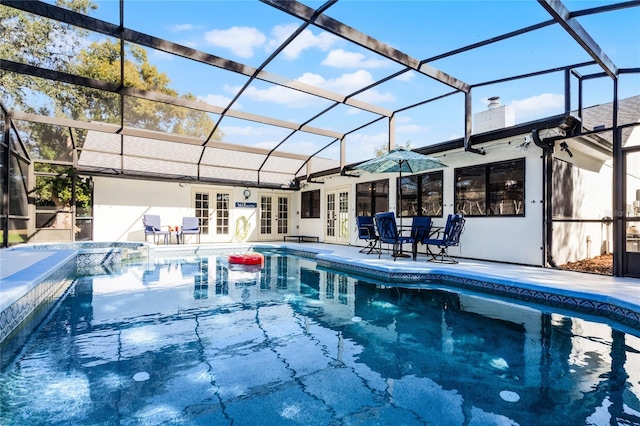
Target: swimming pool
{"type": "Point", "coordinates": [191, 341]}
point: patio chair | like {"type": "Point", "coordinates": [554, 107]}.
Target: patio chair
{"type": "Point", "coordinates": [448, 237]}
{"type": "Point", "coordinates": [152, 227]}
{"type": "Point", "coordinates": [190, 226]}
{"type": "Point", "coordinates": [420, 230]}
{"type": "Point", "coordinates": [367, 232]}
{"type": "Point", "coordinates": [388, 233]}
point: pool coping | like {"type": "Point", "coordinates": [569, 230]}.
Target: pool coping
{"type": "Point", "coordinates": [524, 283]}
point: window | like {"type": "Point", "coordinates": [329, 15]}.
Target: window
{"type": "Point", "coordinates": [421, 194]}
{"type": "Point", "coordinates": [372, 197]}
{"type": "Point", "coordinates": [495, 189]}
{"type": "Point", "coordinates": [310, 204]}
{"type": "Point", "coordinates": [222, 214]}
{"type": "Point", "coordinates": [202, 210]}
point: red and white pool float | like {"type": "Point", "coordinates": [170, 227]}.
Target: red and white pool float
{"type": "Point", "coordinates": [246, 261]}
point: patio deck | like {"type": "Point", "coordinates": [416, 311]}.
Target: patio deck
{"type": "Point", "coordinates": [18, 267]}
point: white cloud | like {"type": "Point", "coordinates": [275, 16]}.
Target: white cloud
{"type": "Point", "coordinates": [406, 76]}
{"type": "Point", "coordinates": [279, 34]}
{"type": "Point", "coordinates": [305, 40]}
{"type": "Point", "coordinates": [181, 27]}
{"type": "Point", "coordinates": [362, 146]}
{"type": "Point", "coordinates": [311, 79]}
{"type": "Point", "coordinates": [308, 148]}
{"type": "Point", "coordinates": [346, 83]}
{"type": "Point", "coordinates": [350, 82]}
{"type": "Point", "coordinates": [242, 131]}
{"type": "Point", "coordinates": [282, 96]}
{"type": "Point", "coordinates": [240, 40]}
{"type": "Point", "coordinates": [219, 100]}
{"type": "Point", "coordinates": [340, 58]}
{"type": "Point", "coordinates": [538, 104]}
{"type": "Point", "coordinates": [373, 96]}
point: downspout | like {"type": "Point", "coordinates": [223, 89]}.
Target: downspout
{"type": "Point", "coordinates": [547, 146]}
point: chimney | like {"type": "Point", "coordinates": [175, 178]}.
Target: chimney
{"type": "Point", "coordinates": [494, 102]}
{"type": "Point", "coordinates": [496, 116]}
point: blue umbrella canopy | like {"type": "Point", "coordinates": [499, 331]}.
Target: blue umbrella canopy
{"type": "Point", "coordinates": [400, 160]}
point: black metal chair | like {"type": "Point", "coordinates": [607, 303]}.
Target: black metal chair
{"type": "Point", "coordinates": [388, 233]}
{"type": "Point", "coordinates": [152, 227]}
{"type": "Point", "coordinates": [367, 232]}
{"type": "Point", "coordinates": [448, 237]}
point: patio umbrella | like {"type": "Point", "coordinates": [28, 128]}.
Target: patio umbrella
{"type": "Point", "coordinates": [400, 160]}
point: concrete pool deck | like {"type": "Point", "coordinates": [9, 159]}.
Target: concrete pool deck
{"type": "Point", "coordinates": [19, 268]}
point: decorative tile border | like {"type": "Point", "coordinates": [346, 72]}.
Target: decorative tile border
{"type": "Point", "coordinates": [36, 304]}
{"type": "Point", "coordinates": [607, 310]}
{"type": "Point", "coordinates": [105, 258]}
{"type": "Point", "coordinates": [98, 261]}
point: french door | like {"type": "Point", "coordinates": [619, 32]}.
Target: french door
{"type": "Point", "coordinates": [275, 220]}
{"type": "Point", "coordinates": [337, 216]}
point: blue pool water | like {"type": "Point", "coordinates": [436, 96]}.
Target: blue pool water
{"type": "Point", "coordinates": [190, 341]}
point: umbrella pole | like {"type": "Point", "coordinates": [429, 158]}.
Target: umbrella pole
{"type": "Point", "coordinates": [399, 210]}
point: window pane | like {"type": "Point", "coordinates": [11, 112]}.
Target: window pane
{"type": "Point", "coordinates": [364, 199]}
{"type": "Point", "coordinates": [471, 191]}
{"type": "Point", "coordinates": [408, 195]}
{"type": "Point", "coordinates": [380, 196]}
{"type": "Point", "coordinates": [431, 194]}
{"type": "Point", "coordinates": [310, 201]}
{"type": "Point", "coordinates": [202, 211]}
{"type": "Point", "coordinates": [372, 197]}
{"type": "Point", "coordinates": [507, 188]}
{"type": "Point", "coordinates": [222, 214]}
{"type": "Point", "coordinates": [283, 215]}
{"type": "Point", "coordinates": [265, 215]}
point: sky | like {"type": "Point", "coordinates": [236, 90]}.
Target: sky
{"type": "Point", "coordinates": [249, 31]}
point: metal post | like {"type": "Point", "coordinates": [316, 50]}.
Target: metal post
{"type": "Point", "coordinates": [619, 184]}
{"type": "Point", "coordinates": [6, 158]}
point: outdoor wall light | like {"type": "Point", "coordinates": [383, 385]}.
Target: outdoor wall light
{"type": "Point", "coordinates": [570, 122]}
{"type": "Point", "coordinates": [565, 147]}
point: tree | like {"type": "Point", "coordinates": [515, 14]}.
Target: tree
{"type": "Point", "coordinates": [26, 38]}
{"type": "Point", "coordinates": [101, 60]}
{"type": "Point", "coordinates": [384, 148]}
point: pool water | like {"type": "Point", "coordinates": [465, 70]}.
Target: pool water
{"type": "Point", "coordinates": [192, 341]}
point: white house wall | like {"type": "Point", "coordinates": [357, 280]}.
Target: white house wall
{"type": "Point", "coordinates": [120, 204]}
{"type": "Point", "coordinates": [499, 238]}
{"type": "Point", "coordinates": [591, 199]}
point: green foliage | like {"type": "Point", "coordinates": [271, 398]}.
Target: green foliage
{"type": "Point", "coordinates": [54, 187]}
{"type": "Point", "coordinates": [33, 40]}
{"type": "Point", "coordinates": [379, 152]}
{"type": "Point", "coordinates": [102, 61]}
{"type": "Point", "coordinates": [30, 39]}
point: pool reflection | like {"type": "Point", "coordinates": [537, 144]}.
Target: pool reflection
{"type": "Point", "coordinates": [293, 343]}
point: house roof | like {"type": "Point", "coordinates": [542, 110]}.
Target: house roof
{"type": "Point", "coordinates": [330, 136]}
